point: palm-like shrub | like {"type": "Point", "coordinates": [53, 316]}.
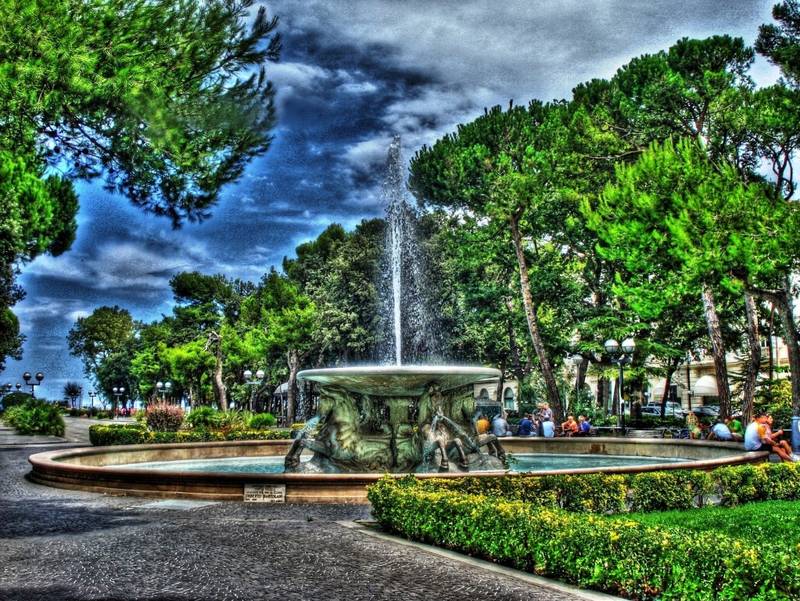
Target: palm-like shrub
{"type": "Point", "coordinates": [36, 417]}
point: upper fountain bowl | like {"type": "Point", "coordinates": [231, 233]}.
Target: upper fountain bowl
{"type": "Point", "coordinates": [398, 380]}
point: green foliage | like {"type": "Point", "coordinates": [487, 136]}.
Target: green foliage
{"type": "Point", "coordinates": [35, 417]}
{"type": "Point", "coordinates": [653, 491]}
{"type": "Point", "coordinates": [622, 557]}
{"type": "Point", "coordinates": [775, 399]}
{"type": "Point", "coordinates": [261, 421]}
{"type": "Point", "coordinates": [121, 434]}
{"type": "Point", "coordinates": [164, 417]}
{"type": "Point", "coordinates": [780, 43]}
{"type": "Point", "coordinates": [16, 398]}
{"type": "Point", "coordinates": [203, 417]}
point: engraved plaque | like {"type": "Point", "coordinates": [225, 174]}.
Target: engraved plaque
{"type": "Point", "coordinates": [264, 493]}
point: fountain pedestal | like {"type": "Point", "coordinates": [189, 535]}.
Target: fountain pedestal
{"type": "Point", "coordinates": [395, 419]}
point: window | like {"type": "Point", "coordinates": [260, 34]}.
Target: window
{"type": "Point", "coordinates": [508, 399]}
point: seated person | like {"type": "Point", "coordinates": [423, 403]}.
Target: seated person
{"type": "Point", "coordinates": [584, 427]}
{"type": "Point", "coordinates": [500, 426]}
{"type": "Point", "coordinates": [525, 426]}
{"type": "Point", "coordinates": [570, 426]}
{"type": "Point", "coordinates": [548, 429]}
{"type": "Point", "coordinates": [757, 438]}
{"type": "Point", "coordinates": [482, 425]}
{"type": "Point", "coordinates": [693, 425]}
{"type": "Point", "coordinates": [776, 434]}
{"type": "Point", "coordinates": [720, 431]}
{"type": "Point", "coordinates": [735, 426]}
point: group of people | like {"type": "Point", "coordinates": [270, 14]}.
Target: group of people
{"type": "Point", "coordinates": [759, 436]}
{"type": "Point", "coordinates": [538, 424]}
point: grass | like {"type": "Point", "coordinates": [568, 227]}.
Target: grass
{"type": "Point", "coordinates": [769, 522]}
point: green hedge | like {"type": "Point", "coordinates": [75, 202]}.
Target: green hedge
{"type": "Point", "coordinates": [618, 556]}
{"type": "Point", "coordinates": [647, 491]}
{"type": "Point", "coordinates": [119, 434]}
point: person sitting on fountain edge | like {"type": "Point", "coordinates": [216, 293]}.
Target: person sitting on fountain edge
{"type": "Point", "coordinates": [570, 427]}
{"type": "Point", "coordinates": [584, 427]}
{"type": "Point", "coordinates": [525, 426]}
{"type": "Point", "coordinates": [500, 425]}
{"type": "Point", "coordinates": [482, 425]}
{"type": "Point", "coordinates": [548, 428]}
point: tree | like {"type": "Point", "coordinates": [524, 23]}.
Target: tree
{"type": "Point", "coordinates": [498, 168]}
{"type": "Point", "coordinates": [781, 43]}
{"type": "Point", "coordinates": [72, 391]}
{"type": "Point", "coordinates": [95, 338]}
{"type": "Point", "coordinates": [679, 222]}
{"type": "Point", "coordinates": [165, 101]}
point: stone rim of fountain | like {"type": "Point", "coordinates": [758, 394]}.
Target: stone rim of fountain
{"type": "Point", "coordinates": [398, 380]}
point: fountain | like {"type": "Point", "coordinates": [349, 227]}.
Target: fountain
{"type": "Point", "coordinates": [397, 418]}
{"type": "Point", "coordinates": [389, 418]}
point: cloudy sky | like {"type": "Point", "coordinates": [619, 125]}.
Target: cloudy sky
{"type": "Point", "coordinates": [352, 74]}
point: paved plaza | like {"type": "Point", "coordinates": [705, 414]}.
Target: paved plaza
{"type": "Point", "coordinates": [57, 544]}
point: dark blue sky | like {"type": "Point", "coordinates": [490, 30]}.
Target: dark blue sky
{"type": "Point", "coordinates": [352, 74]}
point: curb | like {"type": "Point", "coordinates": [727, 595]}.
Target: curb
{"type": "Point", "coordinates": [367, 528]}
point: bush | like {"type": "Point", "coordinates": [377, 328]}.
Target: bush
{"type": "Point", "coordinates": [261, 421]}
{"type": "Point", "coordinates": [119, 434]}
{"type": "Point", "coordinates": [622, 557]}
{"type": "Point", "coordinates": [203, 417]}
{"type": "Point", "coordinates": [36, 417]}
{"type": "Point", "coordinates": [163, 417]}
{"type": "Point", "coordinates": [103, 435]}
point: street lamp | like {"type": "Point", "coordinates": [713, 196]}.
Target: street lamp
{"type": "Point", "coordinates": [92, 394]}
{"type": "Point", "coordinates": [118, 392]}
{"type": "Point", "coordinates": [253, 383]}
{"type": "Point", "coordinates": [164, 388]}
{"type": "Point", "coordinates": [621, 356]}
{"type": "Point", "coordinates": [27, 377]}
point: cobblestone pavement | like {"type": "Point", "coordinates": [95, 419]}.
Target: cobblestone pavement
{"type": "Point", "coordinates": [58, 545]}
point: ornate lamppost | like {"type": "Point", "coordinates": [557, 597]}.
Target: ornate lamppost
{"type": "Point", "coordinates": [118, 392]}
{"type": "Point", "coordinates": [621, 356]}
{"type": "Point", "coordinates": [163, 388]}
{"type": "Point", "coordinates": [27, 377]}
{"type": "Point", "coordinates": [92, 394]}
{"type": "Point", "coordinates": [253, 384]}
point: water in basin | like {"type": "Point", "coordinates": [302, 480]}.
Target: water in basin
{"type": "Point", "coordinates": [521, 462]}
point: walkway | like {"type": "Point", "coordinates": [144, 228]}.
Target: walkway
{"type": "Point", "coordinates": [58, 545]}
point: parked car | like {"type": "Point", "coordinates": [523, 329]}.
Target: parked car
{"type": "Point", "coordinates": [672, 409]}
{"type": "Point", "coordinates": [706, 410]}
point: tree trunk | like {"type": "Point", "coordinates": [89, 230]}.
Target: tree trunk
{"type": "Point", "coordinates": [580, 377]}
{"type": "Point", "coordinates": [516, 362]}
{"type": "Point", "coordinates": [782, 301]}
{"type": "Point", "coordinates": [671, 369]}
{"type": "Point", "coordinates": [753, 366]}
{"type": "Point", "coordinates": [498, 394]}
{"type": "Point", "coordinates": [533, 323]}
{"type": "Point", "coordinates": [293, 361]}
{"type": "Point", "coordinates": [718, 352]}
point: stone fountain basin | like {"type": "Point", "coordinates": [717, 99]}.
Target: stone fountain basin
{"type": "Point", "coordinates": [99, 469]}
{"type": "Point", "coordinates": [398, 380]}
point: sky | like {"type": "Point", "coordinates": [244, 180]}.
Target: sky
{"type": "Point", "coordinates": [352, 74]}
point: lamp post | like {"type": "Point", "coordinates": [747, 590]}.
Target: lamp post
{"type": "Point", "coordinates": [27, 377]}
{"type": "Point", "coordinates": [118, 392]}
{"type": "Point", "coordinates": [621, 355]}
{"type": "Point", "coordinates": [92, 394]}
{"type": "Point", "coordinates": [253, 383]}
{"type": "Point", "coordinates": [164, 388]}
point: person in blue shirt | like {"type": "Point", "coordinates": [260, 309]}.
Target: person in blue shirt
{"type": "Point", "coordinates": [525, 426]}
{"type": "Point", "coordinates": [548, 429]}
{"type": "Point", "coordinates": [584, 427]}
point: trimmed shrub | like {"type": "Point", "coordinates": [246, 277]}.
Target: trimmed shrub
{"type": "Point", "coordinates": [103, 435]}
{"type": "Point", "coordinates": [12, 399]}
{"type": "Point", "coordinates": [36, 417]}
{"type": "Point", "coordinates": [119, 434]}
{"type": "Point", "coordinates": [261, 421]}
{"type": "Point", "coordinates": [680, 489]}
{"type": "Point", "coordinates": [622, 557]}
{"type": "Point", "coordinates": [163, 417]}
